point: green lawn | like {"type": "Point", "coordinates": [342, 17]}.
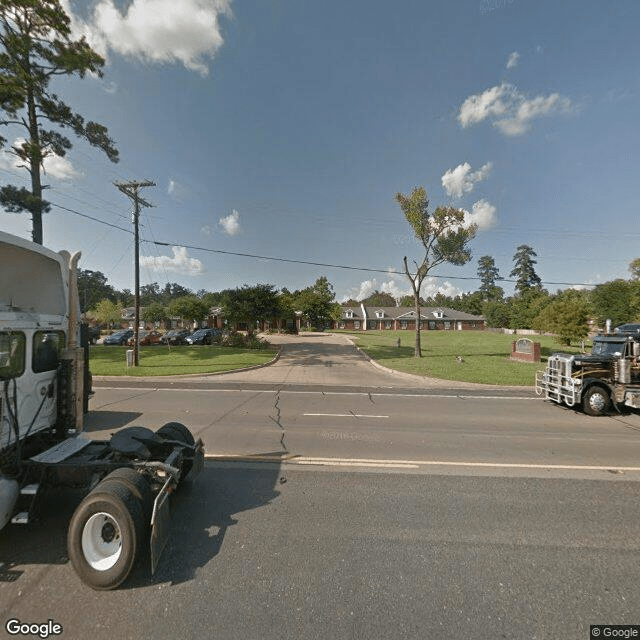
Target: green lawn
{"type": "Point", "coordinates": [180, 360]}
{"type": "Point", "coordinates": [485, 355]}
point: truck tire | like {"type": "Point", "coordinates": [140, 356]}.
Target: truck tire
{"type": "Point", "coordinates": [137, 484]}
{"type": "Point", "coordinates": [596, 401]}
{"type": "Point", "coordinates": [105, 534]}
{"type": "Point", "coordinates": [177, 431]}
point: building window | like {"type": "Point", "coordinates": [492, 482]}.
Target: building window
{"type": "Point", "coordinates": [447, 325]}
{"type": "Point", "coordinates": [356, 324]}
{"type": "Point", "coordinates": [432, 325]}
{"type": "Point", "coordinates": [387, 324]}
{"type": "Point", "coordinates": [341, 325]}
{"type": "Point", "coordinates": [403, 324]}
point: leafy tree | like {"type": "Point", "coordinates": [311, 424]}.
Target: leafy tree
{"type": "Point", "coordinates": [251, 305]}
{"type": "Point", "coordinates": [525, 307]}
{"type": "Point", "coordinates": [127, 299]}
{"type": "Point", "coordinates": [488, 274]}
{"type": "Point", "coordinates": [213, 299]}
{"type": "Point", "coordinates": [150, 293]}
{"type": "Point", "coordinates": [615, 301]}
{"type": "Point", "coordinates": [37, 46]}
{"type": "Point", "coordinates": [173, 290]}
{"type": "Point", "coordinates": [524, 269]}
{"type": "Point", "coordinates": [634, 268]}
{"type": "Point", "coordinates": [380, 299]}
{"type": "Point", "coordinates": [155, 312]}
{"type": "Point", "coordinates": [442, 236]}
{"type": "Point", "coordinates": [497, 313]}
{"type": "Point", "coordinates": [106, 312]}
{"type": "Point", "coordinates": [468, 302]}
{"type": "Point", "coordinates": [189, 308]}
{"type": "Point", "coordinates": [351, 303]}
{"type": "Point", "coordinates": [317, 303]}
{"type": "Point", "coordinates": [93, 287]}
{"type": "Point", "coordinates": [566, 316]}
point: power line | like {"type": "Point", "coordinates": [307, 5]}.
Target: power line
{"type": "Point", "coordinates": [342, 266]}
{"type": "Point", "coordinates": [292, 261]}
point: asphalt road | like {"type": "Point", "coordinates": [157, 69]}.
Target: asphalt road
{"type": "Point", "coordinates": [334, 508]}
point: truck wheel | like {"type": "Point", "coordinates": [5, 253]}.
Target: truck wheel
{"type": "Point", "coordinates": [177, 431]}
{"type": "Point", "coordinates": [595, 401]}
{"type": "Point", "coordinates": [105, 534]}
{"type": "Point", "coordinates": [138, 485]}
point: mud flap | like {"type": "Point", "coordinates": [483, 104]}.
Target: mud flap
{"type": "Point", "coordinates": [198, 458]}
{"type": "Point", "coordinates": [160, 525]}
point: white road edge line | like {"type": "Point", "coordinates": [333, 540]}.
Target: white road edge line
{"type": "Point", "coordinates": [460, 396]}
{"type": "Point", "coordinates": [304, 460]}
{"type": "Point", "coordinates": [343, 415]}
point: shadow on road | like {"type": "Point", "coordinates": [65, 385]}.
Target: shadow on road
{"type": "Point", "coordinates": [201, 513]}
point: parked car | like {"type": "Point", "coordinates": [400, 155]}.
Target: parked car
{"type": "Point", "coordinates": [119, 337]}
{"type": "Point", "coordinates": [175, 336]}
{"type": "Point", "coordinates": [203, 336]}
{"type": "Point", "coordinates": [145, 338]}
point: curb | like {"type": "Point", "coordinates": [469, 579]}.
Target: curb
{"type": "Point", "coordinates": [190, 376]}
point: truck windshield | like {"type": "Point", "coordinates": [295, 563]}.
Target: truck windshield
{"type": "Point", "coordinates": [607, 348]}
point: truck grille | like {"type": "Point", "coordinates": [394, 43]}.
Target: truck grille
{"type": "Point", "coordinates": [556, 382]}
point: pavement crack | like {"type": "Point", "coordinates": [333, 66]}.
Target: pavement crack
{"type": "Point", "coordinates": [277, 420]}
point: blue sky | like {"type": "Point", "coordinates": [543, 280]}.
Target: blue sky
{"type": "Point", "coordinates": [285, 129]}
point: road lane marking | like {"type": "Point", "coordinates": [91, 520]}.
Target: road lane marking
{"type": "Point", "coordinates": [459, 396]}
{"type": "Point", "coordinates": [343, 415]}
{"type": "Point", "coordinates": [413, 464]}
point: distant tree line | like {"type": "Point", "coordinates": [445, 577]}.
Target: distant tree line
{"type": "Point", "coordinates": [248, 305]}
{"type": "Point", "coordinates": [567, 313]}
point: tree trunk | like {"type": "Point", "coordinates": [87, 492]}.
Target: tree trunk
{"type": "Point", "coordinates": [35, 159]}
{"type": "Point", "coordinates": [418, 350]}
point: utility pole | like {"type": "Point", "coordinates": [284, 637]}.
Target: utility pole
{"type": "Point", "coordinates": [130, 189]}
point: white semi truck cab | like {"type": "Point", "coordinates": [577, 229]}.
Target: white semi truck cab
{"type": "Point", "coordinates": [44, 385]}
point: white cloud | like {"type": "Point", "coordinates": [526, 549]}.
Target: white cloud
{"type": "Point", "coordinates": [59, 168]}
{"type": "Point", "coordinates": [231, 223]}
{"type": "Point", "coordinates": [509, 109]}
{"type": "Point", "coordinates": [398, 290]}
{"type": "Point", "coordinates": [179, 263]}
{"type": "Point", "coordinates": [206, 230]}
{"type": "Point", "coordinates": [53, 165]}
{"type": "Point", "coordinates": [462, 180]}
{"type": "Point", "coordinates": [513, 60]}
{"type": "Point", "coordinates": [158, 31]}
{"type": "Point", "coordinates": [483, 214]}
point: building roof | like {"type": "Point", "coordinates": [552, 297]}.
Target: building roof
{"type": "Point", "coordinates": [408, 313]}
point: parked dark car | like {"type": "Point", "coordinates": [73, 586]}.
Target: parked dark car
{"type": "Point", "coordinates": [119, 337]}
{"type": "Point", "coordinates": [175, 336]}
{"type": "Point", "coordinates": [203, 336]}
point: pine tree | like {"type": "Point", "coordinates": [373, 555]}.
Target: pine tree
{"type": "Point", "coordinates": [36, 46]}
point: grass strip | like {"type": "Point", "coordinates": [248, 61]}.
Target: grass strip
{"type": "Point", "coordinates": [485, 355]}
{"type": "Point", "coordinates": [161, 360]}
